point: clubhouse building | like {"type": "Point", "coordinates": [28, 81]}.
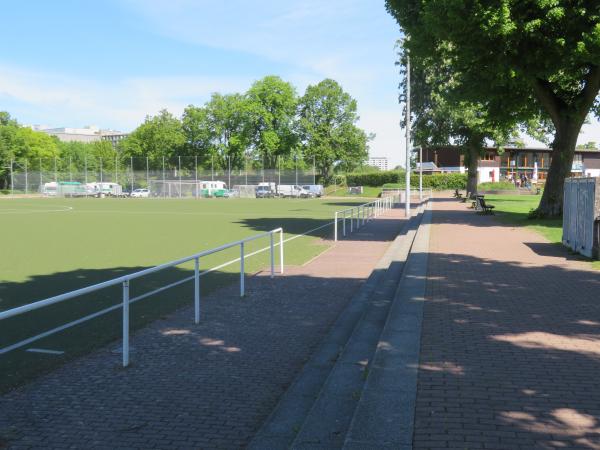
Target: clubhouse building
{"type": "Point", "coordinates": [511, 162]}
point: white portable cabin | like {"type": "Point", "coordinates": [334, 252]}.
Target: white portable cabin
{"type": "Point", "coordinates": [50, 189]}
{"type": "Point", "coordinates": [105, 188]}
{"type": "Point", "coordinates": [213, 188]}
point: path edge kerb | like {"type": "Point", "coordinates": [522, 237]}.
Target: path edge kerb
{"type": "Point", "coordinates": [395, 369]}
{"type": "Point", "coordinates": [278, 430]}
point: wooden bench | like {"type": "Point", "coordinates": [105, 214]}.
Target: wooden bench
{"type": "Point", "coordinates": [457, 194]}
{"type": "Point", "coordinates": [465, 198]}
{"type": "Point", "coordinates": [483, 208]}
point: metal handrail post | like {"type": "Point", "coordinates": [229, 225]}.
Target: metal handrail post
{"type": "Point", "coordinates": [272, 256]}
{"type": "Point", "coordinates": [197, 290]}
{"type": "Point", "coordinates": [242, 287]}
{"type": "Point", "coordinates": [125, 323]}
{"type": "Point", "coordinates": [280, 251]}
{"type": "Point", "coordinates": [335, 221]}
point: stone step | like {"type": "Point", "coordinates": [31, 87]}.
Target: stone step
{"type": "Point", "coordinates": [284, 423]}
{"type": "Point", "coordinates": [384, 417]}
{"type": "Point", "coordinates": [329, 418]}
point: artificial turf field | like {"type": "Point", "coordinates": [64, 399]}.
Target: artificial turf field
{"type": "Point", "coordinates": [52, 246]}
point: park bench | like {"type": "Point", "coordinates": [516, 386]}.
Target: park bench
{"type": "Point", "coordinates": [457, 194]}
{"type": "Point", "coordinates": [482, 207]}
{"type": "Point", "coordinates": [466, 197]}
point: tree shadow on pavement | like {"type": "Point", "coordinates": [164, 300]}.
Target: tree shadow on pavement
{"type": "Point", "coordinates": [509, 355]}
{"type": "Point", "coordinates": [209, 385]}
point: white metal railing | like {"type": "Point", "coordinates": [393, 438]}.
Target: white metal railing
{"type": "Point", "coordinates": [361, 214]}
{"type": "Point", "coordinates": [125, 280]}
{"type": "Point", "coordinates": [425, 193]}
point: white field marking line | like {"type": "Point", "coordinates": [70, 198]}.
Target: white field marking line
{"type": "Point", "coordinates": [34, 211]}
{"type": "Point", "coordinates": [43, 350]}
{"type": "Point", "coordinates": [199, 213]}
{"type": "Point", "coordinates": [145, 295]}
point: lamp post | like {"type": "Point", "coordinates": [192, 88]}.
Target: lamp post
{"type": "Point", "coordinates": [420, 173]}
{"type": "Point", "coordinates": [407, 189]}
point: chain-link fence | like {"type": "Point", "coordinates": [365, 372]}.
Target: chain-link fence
{"type": "Point", "coordinates": [181, 176]}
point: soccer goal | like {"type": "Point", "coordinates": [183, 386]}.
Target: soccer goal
{"type": "Point", "coordinates": [175, 189]}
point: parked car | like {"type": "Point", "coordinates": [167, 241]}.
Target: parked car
{"type": "Point", "coordinates": [315, 189]}
{"type": "Point", "coordinates": [140, 193]}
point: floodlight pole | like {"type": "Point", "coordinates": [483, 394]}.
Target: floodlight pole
{"type": "Point", "coordinates": [12, 180]}
{"type": "Point", "coordinates": [314, 171]}
{"type": "Point", "coordinates": [147, 174]}
{"type": "Point", "coordinates": [132, 174]}
{"type": "Point", "coordinates": [229, 167]}
{"type": "Point", "coordinates": [407, 189]}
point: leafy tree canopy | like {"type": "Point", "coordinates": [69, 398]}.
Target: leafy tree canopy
{"type": "Point", "coordinates": [534, 56]}
{"type": "Point", "coordinates": [327, 128]}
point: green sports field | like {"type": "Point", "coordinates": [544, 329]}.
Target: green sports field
{"type": "Point", "coordinates": [51, 246]}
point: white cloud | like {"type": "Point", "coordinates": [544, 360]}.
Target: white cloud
{"type": "Point", "coordinates": [58, 99]}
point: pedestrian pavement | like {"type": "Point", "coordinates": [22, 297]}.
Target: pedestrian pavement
{"type": "Point", "coordinates": [510, 344]}
{"type": "Point", "coordinates": [198, 386]}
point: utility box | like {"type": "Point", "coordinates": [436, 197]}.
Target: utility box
{"type": "Point", "coordinates": [581, 216]}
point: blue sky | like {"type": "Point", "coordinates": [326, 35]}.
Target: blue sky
{"type": "Point", "coordinates": [110, 63]}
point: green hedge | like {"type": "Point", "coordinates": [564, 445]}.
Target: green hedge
{"type": "Point", "coordinates": [438, 181]}
{"type": "Point", "coordinates": [441, 181]}
{"type": "Point", "coordinates": [374, 179]}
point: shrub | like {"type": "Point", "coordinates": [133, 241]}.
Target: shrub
{"type": "Point", "coordinates": [395, 179]}
{"type": "Point", "coordinates": [374, 179]}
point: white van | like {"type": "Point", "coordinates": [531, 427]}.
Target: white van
{"type": "Point", "coordinates": [315, 189]}
{"type": "Point", "coordinates": [292, 190]}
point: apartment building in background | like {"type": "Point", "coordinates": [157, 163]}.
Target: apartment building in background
{"type": "Point", "coordinates": [89, 133]}
{"type": "Point", "coordinates": [381, 162]}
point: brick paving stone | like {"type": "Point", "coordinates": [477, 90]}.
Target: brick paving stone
{"type": "Point", "coordinates": [198, 386]}
{"type": "Point", "coordinates": [510, 348]}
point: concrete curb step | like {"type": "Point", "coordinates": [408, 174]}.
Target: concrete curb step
{"type": "Point", "coordinates": [282, 426]}
{"type": "Point", "coordinates": [327, 422]}
{"type": "Point", "coordinates": [384, 417]}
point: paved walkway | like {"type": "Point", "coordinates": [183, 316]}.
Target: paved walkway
{"type": "Point", "coordinates": [510, 352]}
{"type": "Point", "coordinates": [205, 386]}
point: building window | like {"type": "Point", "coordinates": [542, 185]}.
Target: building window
{"type": "Point", "coordinates": [488, 156]}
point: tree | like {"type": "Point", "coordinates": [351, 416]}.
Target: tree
{"type": "Point", "coordinates": [159, 136]}
{"type": "Point", "coordinates": [440, 118]}
{"type": "Point", "coordinates": [273, 108]}
{"type": "Point", "coordinates": [534, 54]}
{"type": "Point", "coordinates": [22, 145]}
{"type": "Point", "coordinates": [327, 128]}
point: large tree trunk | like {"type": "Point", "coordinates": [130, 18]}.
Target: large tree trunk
{"type": "Point", "coordinates": [563, 151]}
{"type": "Point", "coordinates": [567, 117]}
{"type": "Point", "coordinates": [472, 160]}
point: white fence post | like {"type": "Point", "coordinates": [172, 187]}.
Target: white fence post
{"type": "Point", "coordinates": [281, 251]}
{"type": "Point", "coordinates": [272, 256]}
{"type": "Point", "coordinates": [197, 290]}
{"type": "Point", "coordinates": [242, 290]}
{"type": "Point", "coordinates": [125, 323]}
{"type": "Point", "coordinates": [335, 221]}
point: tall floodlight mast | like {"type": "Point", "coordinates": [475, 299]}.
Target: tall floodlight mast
{"type": "Point", "coordinates": [408, 147]}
